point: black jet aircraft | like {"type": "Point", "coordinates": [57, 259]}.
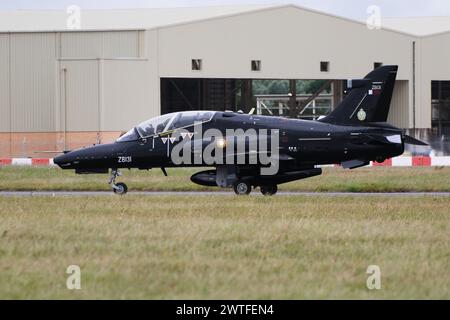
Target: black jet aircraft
{"type": "Point", "coordinates": [352, 135]}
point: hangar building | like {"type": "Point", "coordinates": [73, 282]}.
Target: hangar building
{"type": "Point", "coordinates": [61, 88]}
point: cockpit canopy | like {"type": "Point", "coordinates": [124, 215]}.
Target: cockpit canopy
{"type": "Point", "coordinates": [165, 123]}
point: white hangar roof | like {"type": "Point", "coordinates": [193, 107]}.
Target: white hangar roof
{"type": "Point", "coordinates": [419, 26]}
{"type": "Point", "coordinates": [133, 19]}
{"type": "Point", "coordinates": [119, 19]}
{"type": "Point", "coordinates": [139, 19]}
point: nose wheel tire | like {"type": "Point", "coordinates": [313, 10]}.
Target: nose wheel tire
{"type": "Point", "coordinates": [120, 188]}
{"type": "Point", "coordinates": [242, 188]}
{"type": "Point", "coordinates": [269, 190]}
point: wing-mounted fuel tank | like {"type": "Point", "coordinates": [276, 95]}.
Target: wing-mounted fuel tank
{"type": "Point", "coordinates": [208, 177]}
{"type": "Point", "coordinates": [205, 178]}
{"type": "Point", "coordinates": [224, 176]}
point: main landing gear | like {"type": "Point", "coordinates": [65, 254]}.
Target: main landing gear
{"type": "Point", "coordinates": [243, 187]}
{"type": "Point", "coordinates": [120, 187]}
{"type": "Point", "coordinates": [269, 190]}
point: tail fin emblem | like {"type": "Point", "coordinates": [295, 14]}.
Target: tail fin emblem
{"type": "Point", "coordinates": [361, 115]}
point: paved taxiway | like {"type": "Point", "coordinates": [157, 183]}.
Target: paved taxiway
{"type": "Point", "coordinates": [217, 193]}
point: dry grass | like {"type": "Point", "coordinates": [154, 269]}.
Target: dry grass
{"type": "Point", "coordinates": [360, 180]}
{"type": "Point", "coordinates": [211, 247]}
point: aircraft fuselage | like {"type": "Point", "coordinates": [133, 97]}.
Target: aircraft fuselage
{"type": "Point", "coordinates": [308, 143]}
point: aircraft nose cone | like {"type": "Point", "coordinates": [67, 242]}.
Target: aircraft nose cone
{"type": "Point", "coordinates": [63, 160]}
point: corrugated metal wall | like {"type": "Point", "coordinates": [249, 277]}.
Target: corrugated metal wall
{"type": "Point", "coordinates": [4, 83]}
{"type": "Point", "coordinates": [32, 85]}
{"type": "Point", "coordinates": [288, 51]}
{"type": "Point", "coordinates": [433, 65]}
{"type": "Point", "coordinates": [81, 84]}
{"type": "Point", "coordinates": [124, 44]}
{"type": "Point", "coordinates": [107, 87]}
{"type": "Point", "coordinates": [99, 94]}
{"type": "Point", "coordinates": [400, 108]}
{"type": "Point", "coordinates": [127, 94]}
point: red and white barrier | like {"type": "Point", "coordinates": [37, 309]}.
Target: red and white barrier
{"type": "Point", "coordinates": [414, 162]}
{"type": "Point", "coordinates": [394, 162]}
{"type": "Point", "coordinates": [26, 162]}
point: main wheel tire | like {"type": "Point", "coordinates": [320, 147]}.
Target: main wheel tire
{"type": "Point", "coordinates": [269, 190]}
{"type": "Point", "coordinates": [121, 188]}
{"type": "Point", "coordinates": [380, 159]}
{"type": "Point", "coordinates": [242, 188]}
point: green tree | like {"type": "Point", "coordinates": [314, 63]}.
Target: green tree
{"type": "Point", "coordinates": [282, 86]}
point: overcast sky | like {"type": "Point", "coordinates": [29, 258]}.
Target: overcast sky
{"type": "Point", "coordinates": [349, 8]}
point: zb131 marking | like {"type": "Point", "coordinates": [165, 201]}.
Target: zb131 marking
{"type": "Point", "coordinates": [127, 159]}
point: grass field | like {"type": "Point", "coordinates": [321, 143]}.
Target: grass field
{"type": "Point", "coordinates": [215, 247]}
{"type": "Point", "coordinates": [333, 179]}
{"type": "Point", "coordinates": [289, 247]}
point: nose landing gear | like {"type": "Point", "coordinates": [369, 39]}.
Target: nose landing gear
{"type": "Point", "coordinates": [120, 187]}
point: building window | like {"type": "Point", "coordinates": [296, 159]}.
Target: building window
{"type": "Point", "coordinates": [256, 65]}
{"type": "Point", "coordinates": [196, 64]}
{"type": "Point", "coordinates": [376, 65]}
{"type": "Point", "coordinates": [324, 66]}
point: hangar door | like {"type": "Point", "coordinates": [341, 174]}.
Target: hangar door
{"type": "Point", "coordinates": [80, 96]}
{"type": "Point", "coordinates": [102, 95]}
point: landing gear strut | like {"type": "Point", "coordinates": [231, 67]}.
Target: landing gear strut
{"type": "Point", "coordinates": [120, 187]}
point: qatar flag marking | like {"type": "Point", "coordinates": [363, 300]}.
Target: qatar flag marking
{"type": "Point", "coordinates": [376, 89]}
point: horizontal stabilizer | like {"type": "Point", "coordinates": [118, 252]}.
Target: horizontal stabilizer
{"type": "Point", "coordinates": [410, 140]}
